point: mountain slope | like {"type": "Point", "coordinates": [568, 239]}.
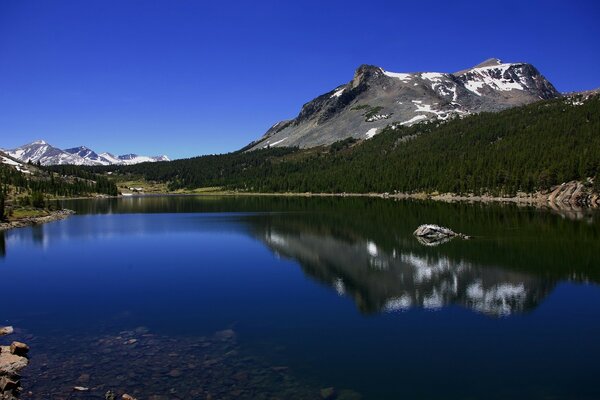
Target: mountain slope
{"type": "Point", "coordinates": [46, 154]}
{"type": "Point", "coordinates": [376, 98]}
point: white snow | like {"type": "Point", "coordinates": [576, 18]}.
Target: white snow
{"type": "Point", "coordinates": [18, 166]}
{"type": "Point", "coordinates": [414, 120]}
{"type": "Point", "coordinates": [441, 83]}
{"type": "Point", "coordinates": [479, 77]}
{"type": "Point", "coordinates": [338, 93]}
{"type": "Point", "coordinates": [443, 115]}
{"type": "Point", "coordinates": [8, 161]}
{"type": "Point", "coordinates": [110, 159]}
{"type": "Point", "coordinates": [371, 132]}
{"type": "Point", "coordinates": [433, 76]}
{"type": "Point", "coordinates": [403, 77]}
{"type": "Point", "coordinates": [378, 117]}
{"type": "Point", "coordinates": [474, 86]}
{"type": "Point", "coordinates": [274, 143]}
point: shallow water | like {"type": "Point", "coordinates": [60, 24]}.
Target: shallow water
{"type": "Point", "coordinates": [196, 297]}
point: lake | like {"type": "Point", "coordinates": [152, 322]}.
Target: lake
{"type": "Point", "coordinates": [305, 298]}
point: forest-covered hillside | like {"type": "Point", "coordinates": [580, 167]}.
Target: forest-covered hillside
{"type": "Point", "coordinates": [32, 187]}
{"type": "Point", "coordinates": [527, 148]}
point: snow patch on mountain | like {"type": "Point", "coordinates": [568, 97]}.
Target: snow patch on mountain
{"type": "Point", "coordinates": [17, 165]}
{"type": "Point", "coordinates": [398, 75]}
{"type": "Point", "coordinates": [414, 120]}
{"type": "Point", "coordinates": [370, 133]}
{"type": "Point", "coordinates": [338, 92]}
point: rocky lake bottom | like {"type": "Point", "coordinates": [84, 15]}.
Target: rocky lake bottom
{"type": "Point", "coordinates": [149, 366]}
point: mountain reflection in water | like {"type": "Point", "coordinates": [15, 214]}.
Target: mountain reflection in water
{"type": "Point", "coordinates": [379, 281]}
{"type": "Point", "coordinates": [364, 248]}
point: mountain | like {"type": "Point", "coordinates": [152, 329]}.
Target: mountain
{"type": "Point", "coordinates": [532, 149]}
{"type": "Point", "coordinates": [46, 154]}
{"type": "Point", "coordinates": [110, 159]}
{"type": "Point", "coordinates": [376, 98]}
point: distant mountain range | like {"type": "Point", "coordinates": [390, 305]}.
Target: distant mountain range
{"type": "Point", "coordinates": [46, 154]}
{"type": "Point", "coordinates": [376, 98]}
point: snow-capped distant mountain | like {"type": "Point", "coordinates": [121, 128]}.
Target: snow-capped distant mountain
{"type": "Point", "coordinates": [376, 98]}
{"type": "Point", "coordinates": [129, 159]}
{"type": "Point", "coordinates": [46, 154]}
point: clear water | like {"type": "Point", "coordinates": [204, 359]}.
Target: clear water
{"type": "Point", "coordinates": [311, 293]}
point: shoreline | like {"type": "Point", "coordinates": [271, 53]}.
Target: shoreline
{"type": "Point", "coordinates": [30, 221]}
{"type": "Point", "coordinates": [568, 196]}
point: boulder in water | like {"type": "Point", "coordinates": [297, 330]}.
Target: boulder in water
{"type": "Point", "coordinates": [432, 235]}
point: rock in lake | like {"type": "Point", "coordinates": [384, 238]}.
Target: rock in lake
{"type": "Point", "coordinates": [19, 349]}
{"type": "Point", "coordinates": [432, 235]}
{"type": "Point", "coordinates": [6, 330]}
{"type": "Point", "coordinates": [8, 385]}
{"type": "Point", "coordinates": [11, 364]}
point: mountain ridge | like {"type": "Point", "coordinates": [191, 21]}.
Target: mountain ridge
{"type": "Point", "coordinates": [376, 98]}
{"type": "Point", "coordinates": [46, 154]}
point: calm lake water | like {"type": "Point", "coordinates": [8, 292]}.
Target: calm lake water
{"type": "Point", "coordinates": [202, 297]}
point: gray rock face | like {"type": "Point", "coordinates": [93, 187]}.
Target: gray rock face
{"type": "Point", "coordinates": [376, 98]}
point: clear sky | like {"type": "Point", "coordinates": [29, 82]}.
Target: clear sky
{"type": "Point", "coordinates": [190, 77]}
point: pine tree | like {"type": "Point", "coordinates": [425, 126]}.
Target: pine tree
{"type": "Point", "coordinates": [2, 206]}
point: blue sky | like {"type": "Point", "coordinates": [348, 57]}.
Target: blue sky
{"type": "Point", "coordinates": [190, 77]}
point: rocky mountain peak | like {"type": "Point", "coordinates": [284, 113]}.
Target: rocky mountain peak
{"type": "Point", "coordinates": [364, 73]}
{"type": "Point", "coordinates": [376, 98]}
{"type": "Point", "coordinates": [489, 62]}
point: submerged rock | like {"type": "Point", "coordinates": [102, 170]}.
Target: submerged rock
{"type": "Point", "coordinates": [432, 235]}
{"type": "Point", "coordinates": [227, 334]}
{"type": "Point", "coordinates": [328, 393]}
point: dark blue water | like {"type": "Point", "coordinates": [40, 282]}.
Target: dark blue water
{"type": "Point", "coordinates": [336, 290]}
